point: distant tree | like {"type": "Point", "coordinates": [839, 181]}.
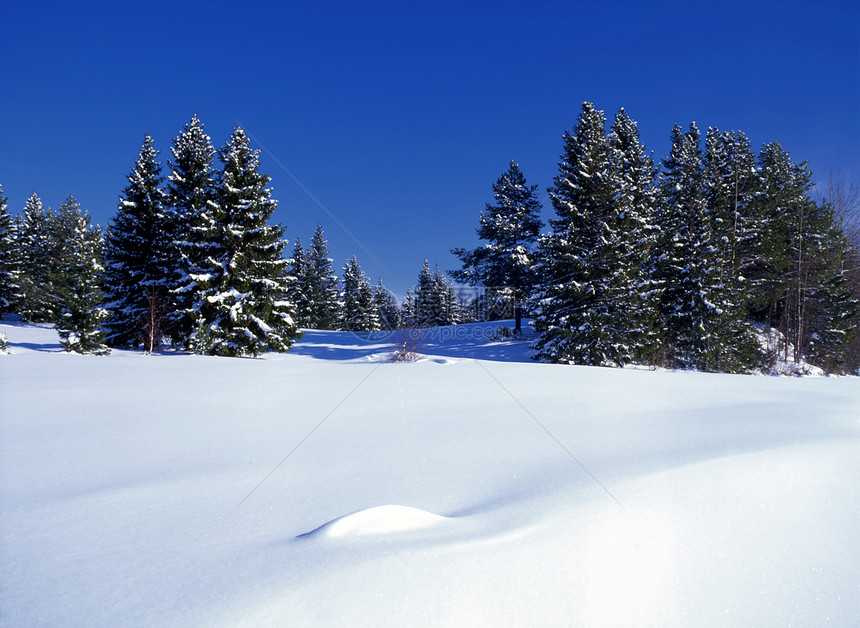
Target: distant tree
{"type": "Point", "coordinates": [386, 307]}
{"type": "Point", "coordinates": [138, 249]}
{"type": "Point", "coordinates": [297, 286]}
{"type": "Point", "coordinates": [510, 229]}
{"type": "Point", "coordinates": [434, 301]}
{"type": "Point", "coordinates": [407, 310]}
{"type": "Point", "coordinates": [242, 307]}
{"type": "Point", "coordinates": [358, 310]}
{"type": "Point", "coordinates": [319, 284]}
{"type": "Point", "coordinates": [76, 285]}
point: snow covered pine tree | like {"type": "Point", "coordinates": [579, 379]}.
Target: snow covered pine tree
{"type": "Point", "coordinates": [243, 307]}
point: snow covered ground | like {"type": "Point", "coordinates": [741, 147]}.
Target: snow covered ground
{"type": "Point", "coordinates": [327, 487]}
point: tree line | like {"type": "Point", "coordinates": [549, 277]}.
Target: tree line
{"type": "Point", "coordinates": [689, 263]}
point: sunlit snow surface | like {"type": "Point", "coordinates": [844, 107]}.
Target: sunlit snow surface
{"type": "Point", "coordinates": [327, 487]}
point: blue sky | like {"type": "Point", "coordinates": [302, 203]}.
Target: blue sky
{"type": "Point", "coordinates": [398, 117]}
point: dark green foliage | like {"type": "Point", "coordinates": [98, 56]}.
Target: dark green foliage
{"type": "Point", "coordinates": [76, 284]}
{"type": "Point", "coordinates": [319, 285]}
{"type": "Point", "coordinates": [597, 301]}
{"type": "Point", "coordinates": [510, 229]}
{"type": "Point", "coordinates": [297, 289]}
{"type": "Point", "coordinates": [190, 197]}
{"type": "Point", "coordinates": [358, 310]}
{"type": "Point", "coordinates": [387, 308]}
{"type": "Point", "coordinates": [35, 302]}
{"type": "Point", "coordinates": [433, 302]}
{"type": "Point", "coordinates": [798, 283]}
{"type": "Point", "coordinates": [138, 255]}
{"type": "Point", "coordinates": [242, 302]}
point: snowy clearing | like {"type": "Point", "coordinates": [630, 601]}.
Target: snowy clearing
{"type": "Point", "coordinates": [328, 487]}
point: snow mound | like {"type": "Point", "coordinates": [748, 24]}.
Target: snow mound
{"type": "Point", "coordinates": [378, 520]}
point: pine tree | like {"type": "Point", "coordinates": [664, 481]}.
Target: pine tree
{"type": "Point", "coordinates": [426, 307]}
{"type": "Point", "coordinates": [243, 308]}
{"type": "Point", "coordinates": [8, 258]}
{"type": "Point", "coordinates": [297, 277]}
{"type": "Point", "coordinates": [77, 285]}
{"type": "Point", "coordinates": [138, 253]}
{"type": "Point", "coordinates": [320, 285]}
{"type": "Point", "coordinates": [358, 310]}
{"type": "Point", "coordinates": [799, 285]}
{"type": "Point", "coordinates": [407, 310]}
{"type": "Point", "coordinates": [583, 260]}
{"type": "Point", "coordinates": [34, 257]}
{"type": "Point", "coordinates": [191, 201]}
{"type": "Point", "coordinates": [730, 185]}
{"type": "Point", "coordinates": [386, 307]}
{"type": "Point", "coordinates": [634, 283]}
{"type": "Point", "coordinates": [445, 297]}
{"type": "Point", "coordinates": [510, 229]}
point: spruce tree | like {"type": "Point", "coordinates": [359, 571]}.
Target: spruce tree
{"type": "Point", "coordinates": [425, 304]}
{"type": "Point", "coordinates": [243, 307]}
{"type": "Point", "coordinates": [297, 278]}
{"type": "Point", "coordinates": [729, 187]}
{"type": "Point", "coordinates": [583, 260]}
{"type": "Point", "coordinates": [799, 284]}
{"type": "Point", "coordinates": [634, 283]}
{"type": "Point", "coordinates": [686, 265]}
{"type": "Point", "coordinates": [34, 258]}
{"type": "Point", "coordinates": [77, 285]}
{"type": "Point", "coordinates": [320, 285]}
{"type": "Point", "coordinates": [510, 229]}
{"type": "Point", "coordinates": [407, 310]}
{"type": "Point", "coordinates": [138, 254]}
{"type": "Point", "coordinates": [358, 310]}
{"type": "Point", "coordinates": [191, 201]}
{"type": "Point", "coordinates": [8, 259]}
{"type": "Point", "coordinates": [386, 307]}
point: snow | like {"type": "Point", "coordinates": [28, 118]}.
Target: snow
{"type": "Point", "coordinates": [327, 487]}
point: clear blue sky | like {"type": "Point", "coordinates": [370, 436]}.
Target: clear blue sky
{"type": "Point", "coordinates": [398, 117]}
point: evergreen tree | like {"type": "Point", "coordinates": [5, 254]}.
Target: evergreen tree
{"type": "Point", "coordinates": [77, 285]}
{"type": "Point", "coordinates": [34, 252]}
{"type": "Point", "coordinates": [634, 283]}
{"type": "Point", "coordinates": [434, 301]}
{"type": "Point", "coordinates": [243, 308]}
{"type": "Point", "coordinates": [297, 292]}
{"type": "Point", "coordinates": [358, 310]}
{"type": "Point", "coordinates": [799, 283]}
{"type": "Point", "coordinates": [191, 201]}
{"type": "Point", "coordinates": [320, 285]}
{"type": "Point", "coordinates": [510, 229]}
{"type": "Point", "coordinates": [445, 297]}
{"type": "Point", "coordinates": [426, 304]}
{"type": "Point", "coordinates": [8, 258]}
{"type": "Point", "coordinates": [407, 310]}
{"type": "Point", "coordinates": [584, 259]}
{"type": "Point", "coordinates": [386, 307]}
{"type": "Point", "coordinates": [138, 253]}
